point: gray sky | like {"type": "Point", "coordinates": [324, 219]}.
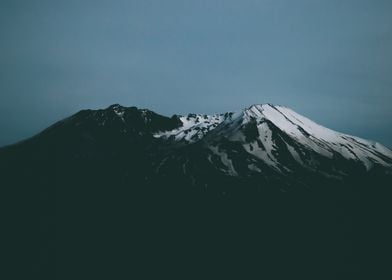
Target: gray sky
{"type": "Point", "coordinates": [330, 60]}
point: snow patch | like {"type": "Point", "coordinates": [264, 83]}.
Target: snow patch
{"type": "Point", "coordinates": [194, 127]}
{"type": "Point", "coordinates": [225, 160]}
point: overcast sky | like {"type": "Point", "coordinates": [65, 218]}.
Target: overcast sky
{"type": "Point", "coordinates": [330, 60]}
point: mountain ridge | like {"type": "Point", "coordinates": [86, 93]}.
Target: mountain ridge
{"type": "Point", "coordinates": [260, 132]}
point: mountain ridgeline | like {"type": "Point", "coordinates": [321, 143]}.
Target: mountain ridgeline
{"type": "Point", "coordinates": [117, 191]}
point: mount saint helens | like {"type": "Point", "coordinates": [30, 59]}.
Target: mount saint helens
{"type": "Point", "coordinates": [263, 182]}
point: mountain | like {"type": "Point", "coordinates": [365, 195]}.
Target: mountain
{"type": "Point", "coordinates": [275, 138]}
{"type": "Point", "coordinates": [114, 192]}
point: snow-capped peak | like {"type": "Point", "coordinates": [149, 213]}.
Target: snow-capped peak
{"type": "Point", "coordinates": [274, 129]}
{"type": "Point", "coordinates": [314, 137]}
{"type": "Point", "coordinates": [266, 131]}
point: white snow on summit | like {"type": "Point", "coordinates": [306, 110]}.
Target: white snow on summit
{"type": "Point", "coordinates": [194, 127]}
{"type": "Point", "coordinates": [317, 138]}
